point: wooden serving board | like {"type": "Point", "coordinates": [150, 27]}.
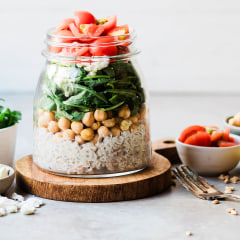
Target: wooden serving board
{"type": "Point", "coordinates": [154, 179]}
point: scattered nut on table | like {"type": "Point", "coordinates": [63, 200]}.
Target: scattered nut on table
{"type": "Point", "coordinates": [229, 189]}
{"type": "Point", "coordinates": [189, 233]}
{"type": "Point", "coordinates": [234, 179]}
{"type": "Point", "coordinates": [216, 201]}
{"type": "Point", "coordinates": [232, 211]}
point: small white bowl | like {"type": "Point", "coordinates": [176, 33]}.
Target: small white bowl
{"type": "Point", "coordinates": [233, 129]}
{"type": "Point", "coordinates": [209, 161]}
{"type": "Point", "coordinates": [5, 183]}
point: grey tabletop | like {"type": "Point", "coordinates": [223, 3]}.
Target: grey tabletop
{"type": "Point", "coordinates": [168, 215]}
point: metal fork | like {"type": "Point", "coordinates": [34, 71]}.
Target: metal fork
{"type": "Point", "coordinates": [198, 186]}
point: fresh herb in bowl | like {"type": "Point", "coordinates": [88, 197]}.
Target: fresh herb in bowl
{"type": "Point", "coordinates": [7, 117]}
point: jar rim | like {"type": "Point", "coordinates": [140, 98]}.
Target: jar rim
{"type": "Point", "coordinates": [123, 38]}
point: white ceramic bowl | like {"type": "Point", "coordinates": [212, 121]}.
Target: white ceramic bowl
{"type": "Point", "coordinates": [7, 145]}
{"type": "Point", "coordinates": [5, 183]}
{"type": "Point", "coordinates": [209, 161]}
{"type": "Point", "coordinates": [233, 129]}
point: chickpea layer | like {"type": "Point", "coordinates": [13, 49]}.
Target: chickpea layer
{"type": "Point", "coordinates": [93, 125]}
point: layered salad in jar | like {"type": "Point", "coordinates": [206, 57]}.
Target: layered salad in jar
{"type": "Point", "coordinates": [90, 114]}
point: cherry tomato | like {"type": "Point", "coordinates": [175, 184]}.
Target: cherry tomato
{"type": "Point", "coordinates": [104, 47]}
{"type": "Point", "coordinates": [83, 17]}
{"type": "Point", "coordinates": [199, 139]}
{"type": "Point", "coordinates": [75, 31]}
{"type": "Point", "coordinates": [119, 30]}
{"type": "Point", "coordinates": [91, 30]}
{"type": "Point", "coordinates": [64, 25]}
{"type": "Point", "coordinates": [64, 33]}
{"type": "Point", "coordinates": [226, 144]}
{"type": "Point", "coordinates": [109, 23]}
{"type": "Point", "coordinates": [226, 134]}
{"type": "Point", "coordinates": [74, 51]}
{"type": "Point", "coordinates": [190, 131]}
{"type": "Point", "coordinates": [216, 136]}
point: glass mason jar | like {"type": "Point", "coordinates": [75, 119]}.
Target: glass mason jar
{"type": "Point", "coordinates": [90, 110]}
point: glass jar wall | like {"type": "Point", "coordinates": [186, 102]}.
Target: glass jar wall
{"type": "Point", "coordinates": [90, 112]}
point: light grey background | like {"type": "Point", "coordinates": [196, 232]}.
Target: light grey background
{"type": "Point", "coordinates": [187, 46]}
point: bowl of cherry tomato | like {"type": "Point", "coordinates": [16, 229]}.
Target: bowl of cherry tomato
{"type": "Point", "coordinates": [208, 150]}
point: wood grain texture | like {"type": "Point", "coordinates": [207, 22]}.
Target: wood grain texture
{"type": "Point", "coordinates": [155, 179]}
{"type": "Point", "coordinates": [167, 148]}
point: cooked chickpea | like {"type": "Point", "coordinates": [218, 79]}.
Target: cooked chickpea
{"type": "Point", "coordinates": [237, 120]}
{"type": "Point", "coordinates": [46, 118]}
{"type": "Point", "coordinates": [103, 131]}
{"type": "Point", "coordinates": [88, 119]}
{"type": "Point", "coordinates": [69, 134]}
{"type": "Point", "coordinates": [64, 123]}
{"type": "Point", "coordinates": [232, 121]}
{"type": "Point", "coordinates": [53, 127]}
{"type": "Point", "coordinates": [79, 139]}
{"type": "Point", "coordinates": [100, 115]}
{"type": "Point", "coordinates": [96, 125]}
{"type": "Point", "coordinates": [109, 123]}
{"type": "Point", "coordinates": [77, 127]}
{"type": "Point", "coordinates": [124, 112]}
{"type": "Point", "coordinates": [125, 125]}
{"type": "Point", "coordinates": [87, 134]}
{"type": "Point", "coordinates": [95, 139]}
{"type": "Point", "coordinates": [134, 119]}
{"type": "Point", "coordinates": [115, 131]}
{"type": "Point", "coordinates": [134, 128]}
{"type": "Point", "coordinates": [41, 112]}
{"type": "Point", "coordinates": [58, 136]}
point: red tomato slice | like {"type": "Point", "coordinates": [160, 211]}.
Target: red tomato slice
{"type": "Point", "coordinates": [65, 33]}
{"type": "Point", "coordinates": [108, 23]}
{"type": "Point", "coordinates": [83, 17]}
{"type": "Point", "coordinates": [227, 144]}
{"type": "Point", "coordinates": [104, 47]}
{"type": "Point", "coordinates": [226, 134]}
{"type": "Point", "coordinates": [91, 30]}
{"type": "Point", "coordinates": [199, 139]}
{"type": "Point", "coordinates": [74, 51]}
{"type": "Point", "coordinates": [190, 131]}
{"type": "Point", "coordinates": [119, 30]}
{"type": "Point", "coordinates": [64, 25]}
{"type": "Point", "coordinates": [216, 136]}
{"type": "Point", "coordinates": [75, 31]}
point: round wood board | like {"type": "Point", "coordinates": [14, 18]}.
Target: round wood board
{"type": "Point", "coordinates": [150, 181]}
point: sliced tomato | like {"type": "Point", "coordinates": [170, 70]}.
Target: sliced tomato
{"type": "Point", "coordinates": [64, 25]}
{"type": "Point", "coordinates": [75, 31]}
{"type": "Point", "coordinates": [64, 33]}
{"type": "Point", "coordinates": [74, 51]}
{"type": "Point", "coordinates": [83, 17]}
{"type": "Point", "coordinates": [227, 144]}
{"type": "Point", "coordinates": [119, 30]}
{"type": "Point", "coordinates": [199, 139]}
{"type": "Point", "coordinates": [103, 47]}
{"type": "Point", "coordinates": [190, 131]}
{"type": "Point", "coordinates": [226, 134]}
{"type": "Point", "coordinates": [215, 136]}
{"type": "Point", "coordinates": [108, 23]}
{"type": "Point", "coordinates": [91, 30]}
